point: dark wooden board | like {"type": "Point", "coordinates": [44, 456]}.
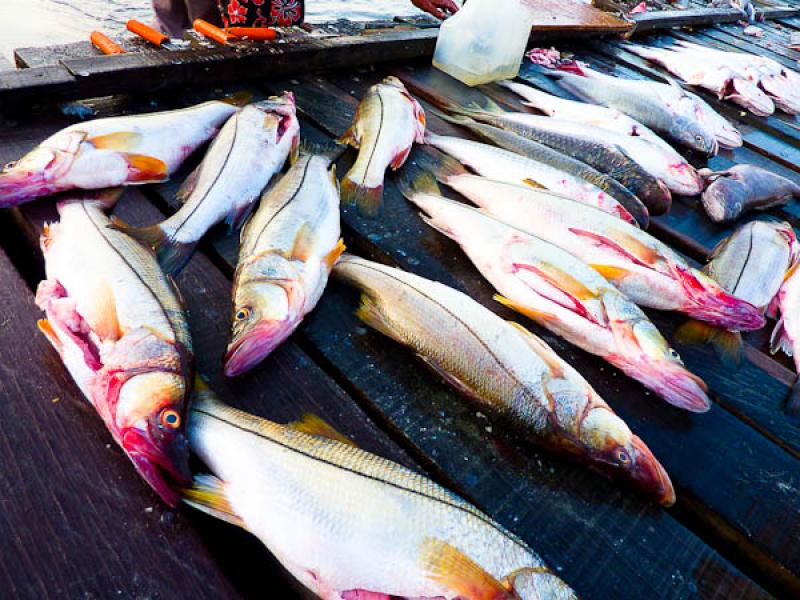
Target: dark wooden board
{"type": "Point", "coordinates": [698, 17]}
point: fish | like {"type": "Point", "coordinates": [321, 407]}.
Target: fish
{"type": "Point", "coordinates": [780, 83]}
{"type": "Point", "coordinates": [505, 369]}
{"type": "Point", "coordinates": [386, 124]}
{"type": "Point", "coordinates": [249, 150]}
{"type": "Point", "coordinates": [741, 188]}
{"type": "Point", "coordinates": [696, 69]}
{"type": "Point", "coordinates": [584, 113]}
{"type": "Point", "coordinates": [350, 524]}
{"type": "Point", "coordinates": [113, 151]}
{"type": "Point", "coordinates": [119, 326]}
{"type": "Point", "coordinates": [506, 165]}
{"type": "Point", "coordinates": [647, 271]}
{"type": "Point", "coordinates": [612, 170]}
{"type": "Point", "coordinates": [786, 334]}
{"type": "Point", "coordinates": [650, 102]}
{"type": "Point", "coordinates": [287, 250]}
{"type": "Point", "coordinates": [694, 107]}
{"type": "Point", "coordinates": [751, 264]}
{"type": "Point", "coordinates": [565, 295]}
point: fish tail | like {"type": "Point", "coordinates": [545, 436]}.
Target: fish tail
{"type": "Point", "coordinates": [793, 403]}
{"type": "Point", "coordinates": [207, 494]}
{"type": "Point", "coordinates": [329, 150]}
{"type": "Point", "coordinates": [368, 199]}
{"type": "Point", "coordinates": [171, 255]}
{"type": "Point", "coordinates": [416, 180]}
{"type": "Point", "coordinates": [239, 98]}
{"type": "Point", "coordinates": [727, 344]}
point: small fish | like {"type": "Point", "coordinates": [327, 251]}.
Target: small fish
{"type": "Point", "coordinates": [112, 151]}
{"type": "Point", "coordinates": [751, 264]}
{"type": "Point", "coordinates": [742, 188]}
{"type": "Point", "coordinates": [786, 335]}
{"type": "Point", "coordinates": [249, 150]}
{"type": "Point", "coordinates": [387, 123]}
{"type": "Point", "coordinates": [509, 166]}
{"type": "Point", "coordinates": [350, 524]}
{"type": "Point", "coordinates": [119, 326]}
{"type": "Point", "coordinates": [288, 248]}
{"type": "Point", "coordinates": [584, 113]}
{"type": "Point", "coordinates": [566, 296]}
{"type": "Point", "coordinates": [647, 271]}
{"type": "Point", "coordinates": [602, 164]}
{"type": "Point", "coordinates": [696, 69]}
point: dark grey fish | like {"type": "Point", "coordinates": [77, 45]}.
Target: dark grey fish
{"type": "Point", "coordinates": [742, 188]}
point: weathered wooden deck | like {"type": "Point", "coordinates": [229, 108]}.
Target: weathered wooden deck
{"type": "Point", "coordinates": [76, 522]}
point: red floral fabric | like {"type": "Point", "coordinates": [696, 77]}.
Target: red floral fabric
{"type": "Point", "coordinates": [261, 13]}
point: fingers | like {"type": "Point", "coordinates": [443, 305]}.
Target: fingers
{"type": "Point", "coordinates": [437, 8]}
{"type": "Point", "coordinates": [448, 5]}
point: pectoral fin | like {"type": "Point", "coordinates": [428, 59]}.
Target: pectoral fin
{"type": "Point", "coordinates": [333, 256]}
{"type": "Point", "coordinates": [545, 352]}
{"type": "Point", "coordinates": [611, 272]}
{"type": "Point", "coordinates": [121, 141]}
{"type": "Point", "coordinates": [47, 329]}
{"type": "Point", "coordinates": [534, 314]}
{"type": "Point", "coordinates": [103, 317]}
{"type": "Point", "coordinates": [145, 169]}
{"type": "Point", "coordinates": [208, 495]}
{"type": "Point", "coordinates": [348, 138]}
{"type": "Point", "coordinates": [303, 243]}
{"type": "Point", "coordinates": [533, 184]}
{"type": "Point", "coordinates": [314, 425]}
{"type": "Point", "coordinates": [448, 566]}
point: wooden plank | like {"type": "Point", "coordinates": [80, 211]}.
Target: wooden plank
{"type": "Point", "coordinates": [573, 16]}
{"type": "Point", "coordinates": [402, 236]}
{"type": "Point", "coordinates": [698, 17]}
{"type": "Point", "coordinates": [544, 509]}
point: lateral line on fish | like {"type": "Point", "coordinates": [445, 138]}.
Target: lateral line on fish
{"type": "Point", "coordinates": [163, 310]}
{"type": "Point", "coordinates": [466, 507]}
{"type": "Point", "coordinates": [285, 204]}
{"type": "Point", "coordinates": [746, 260]}
{"type": "Point", "coordinates": [171, 237]}
{"type": "Point", "coordinates": [375, 145]}
{"type": "Point", "coordinates": [444, 308]}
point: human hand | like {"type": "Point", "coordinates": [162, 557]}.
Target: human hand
{"type": "Point", "coordinates": [441, 9]}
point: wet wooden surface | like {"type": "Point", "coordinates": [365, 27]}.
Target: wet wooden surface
{"type": "Point", "coordinates": [732, 534]}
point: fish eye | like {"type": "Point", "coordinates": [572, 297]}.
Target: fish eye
{"type": "Point", "coordinates": [10, 165]}
{"type": "Point", "coordinates": [170, 418]}
{"type": "Point", "coordinates": [242, 314]}
{"type": "Point", "coordinates": [699, 139]}
{"type": "Point", "coordinates": [674, 354]}
{"type": "Point", "coordinates": [623, 458]}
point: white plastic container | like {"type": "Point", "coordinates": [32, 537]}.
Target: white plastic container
{"type": "Point", "coordinates": [485, 41]}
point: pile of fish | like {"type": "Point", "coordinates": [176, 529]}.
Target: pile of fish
{"type": "Point", "coordinates": [558, 207]}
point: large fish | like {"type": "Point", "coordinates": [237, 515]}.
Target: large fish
{"type": "Point", "coordinates": [506, 165]}
{"type": "Point", "coordinates": [611, 169]}
{"type": "Point", "coordinates": [751, 264]}
{"type": "Point", "coordinates": [352, 525]}
{"type": "Point", "coordinates": [506, 369]}
{"type": "Point", "coordinates": [644, 269]}
{"type": "Point", "coordinates": [112, 151]}
{"type": "Point", "coordinates": [566, 296]}
{"type": "Point", "coordinates": [652, 103]}
{"type": "Point", "coordinates": [387, 123]}
{"type": "Point", "coordinates": [742, 188]}
{"type": "Point", "coordinates": [288, 248]}
{"type": "Point", "coordinates": [695, 68]}
{"type": "Point", "coordinates": [249, 150]}
{"type": "Point", "coordinates": [786, 335]}
{"type": "Point", "coordinates": [584, 113]}
{"type": "Point", "coordinates": [780, 83]}
{"type": "Point", "coordinates": [119, 326]}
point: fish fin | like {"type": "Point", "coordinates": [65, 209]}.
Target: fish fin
{"type": "Point", "coordinates": [47, 329]}
{"type": "Point", "coordinates": [728, 346]}
{"type": "Point", "coordinates": [791, 271]}
{"type": "Point", "coordinates": [562, 280]}
{"type": "Point", "coordinates": [368, 200]}
{"type": "Point", "coordinates": [540, 347]}
{"type": "Point", "coordinates": [414, 180]}
{"type": "Point", "coordinates": [146, 169]}
{"type": "Point", "coordinates": [314, 425]}
{"type": "Point", "coordinates": [237, 219]}
{"type": "Point", "coordinates": [793, 403]}
{"type": "Point", "coordinates": [330, 150]}
{"type": "Point", "coordinates": [208, 495]}
{"type": "Point", "coordinates": [441, 165]}
{"type": "Point", "coordinates": [611, 272]}
{"type": "Point", "coordinates": [779, 340]}
{"type": "Point", "coordinates": [449, 378]}
{"type": "Point", "coordinates": [171, 255]}
{"type": "Point", "coordinates": [105, 317]}
{"type": "Point", "coordinates": [622, 243]}
{"type": "Point", "coordinates": [188, 185]}
{"type": "Point", "coordinates": [303, 244]}
{"type": "Point", "coordinates": [121, 141]}
{"type": "Point", "coordinates": [533, 184]}
{"type": "Point", "coordinates": [693, 333]}
{"type": "Point", "coordinates": [450, 567]}
{"type": "Point", "coordinates": [370, 314]}
{"type": "Point", "coordinates": [332, 257]}
{"type": "Point", "coordinates": [240, 98]}
{"type": "Point", "coordinates": [525, 310]}
{"type": "Point", "coordinates": [348, 138]}
{"type": "Point", "coordinates": [400, 158]}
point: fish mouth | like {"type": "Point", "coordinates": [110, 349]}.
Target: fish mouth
{"type": "Point", "coordinates": [164, 467]}
{"type": "Point", "coordinates": [648, 474]}
{"type": "Point", "coordinates": [678, 386]}
{"type": "Point", "coordinates": [18, 186]}
{"type": "Point", "coordinates": [724, 199]}
{"type": "Point", "coordinates": [255, 344]}
{"type": "Point", "coordinates": [749, 96]}
{"type": "Point", "coordinates": [685, 179]}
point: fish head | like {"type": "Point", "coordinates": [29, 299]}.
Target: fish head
{"type": "Point", "coordinates": [643, 351]}
{"type": "Point", "coordinates": [620, 454]}
{"type": "Point", "coordinates": [281, 114]}
{"type": "Point", "coordinates": [149, 422]}
{"type": "Point", "coordinates": [35, 174]}
{"type": "Point", "coordinates": [725, 198]}
{"type": "Point", "coordinates": [706, 300]}
{"type": "Point", "coordinates": [748, 95]}
{"type": "Point", "coordinates": [690, 133]}
{"type": "Point", "coordinates": [265, 313]}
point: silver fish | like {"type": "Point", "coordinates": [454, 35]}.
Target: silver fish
{"type": "Point", "coordinates": [744, 187]}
